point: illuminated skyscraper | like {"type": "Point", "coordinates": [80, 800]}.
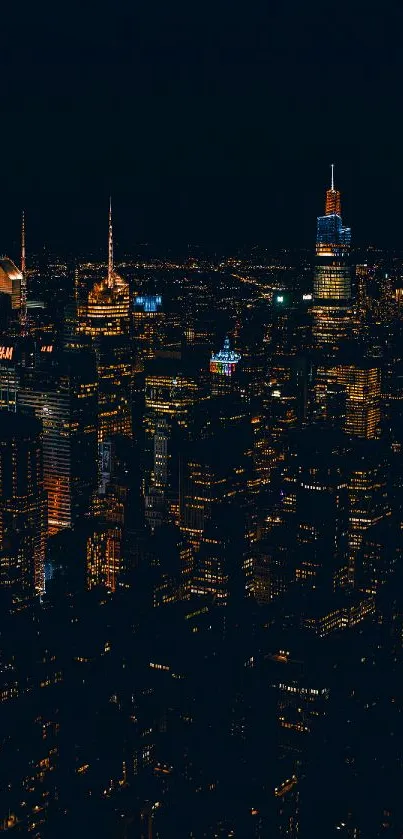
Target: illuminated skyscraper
{"type": "Point", "coordinates": [9, 374]}
{"type": "Point", "coordinates": [218, 566]}
{"type": "Point", "coordinates": [369, 495]}
{"type": "Point", "coordinates": [361, 383]}
{"type": "Point", "coordinates": [106, 317]}
{"type": "Point", "coordinates": [22, 507]}
{"type": "Point", "coordinates": [315, 506]}
{"type": "Point", "coordinates": [214, 471]}
{"type": "Point", "coordinates": [104, 556]}
{"type": "Point", "coordinates": [171, 389]}
{"type": "Point", "coordinates": [332, 293]}
{"type": "Point", "coordinates": [67, 408]}
{"type": "Point", "coordinates": [148, 318]}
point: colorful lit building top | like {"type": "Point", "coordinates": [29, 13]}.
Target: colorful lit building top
{"type": "Point", "coordinates": [224, 361]}
{"type": "Point", "coordinates": [148, 303]}
{"type": "Point", "coordinates": [332, 239]}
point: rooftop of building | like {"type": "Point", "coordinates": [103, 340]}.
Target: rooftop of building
{"type": "Point", "coordinates": [101, 290]}
{"type": "Point", "coordinates": [9, 268]}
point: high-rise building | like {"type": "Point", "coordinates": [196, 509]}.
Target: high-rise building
{"type": "Point", "coordinates": [148, 318]}
{"type": "Point", "coordinates": [213, 472]}
{"type": "Point", "coordinates": [104, 556]}
{"type": "Point", "coordinates": [359, 412]}
{"type": "Point", "coordinates": [9, 373]}
{"type": "Point", "coordinates": [171, 390]}
{"type": "Point", "coordinates": [66, 403]}
{"type": "Point", "coordinates": [22, 507]}
{"type": "Point", "coordinates": [315, 506]}
{"type": "Point", "coordinates": [219, 562]}
{"type": "Point", "coordinates": [369, 501]}
{"type": "Point", "coordinates": [332, 292]}
{"type": "Point", "coordinates": [106, 317]}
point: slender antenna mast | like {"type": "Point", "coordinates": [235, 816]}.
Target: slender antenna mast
{"type": "Point", "coordinates": [332, 181]}
{"type": "Point", "coordinates": [110, 246]}
{"type": "Point", "coordinates": [23, 306]}
{"type": "Point", "coordinates": [76, 284]}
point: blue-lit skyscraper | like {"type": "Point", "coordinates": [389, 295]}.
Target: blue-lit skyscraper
{"type": "Point", "coordinates": [147, 330]}
{"type": "Point", "coordinates": [332, 291]}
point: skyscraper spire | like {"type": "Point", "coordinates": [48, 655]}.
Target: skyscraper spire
{"type": "Point", "coordinates": [23, 307]}
{"type": "Point", "coordinates": [333, 202]}
{"type": "Point", "coordinates": [110, 246]}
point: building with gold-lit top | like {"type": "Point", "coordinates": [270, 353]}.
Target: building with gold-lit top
{"type": "Point", "coordinates": [332, 291]}
{"type": "Point", "coordinates": [10, 281]}
{"type": "Point", "coordinates": [106, 318]}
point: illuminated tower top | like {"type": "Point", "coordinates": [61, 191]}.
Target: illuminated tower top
{"type": "Point", "coordinates": [332, 238]}
{"type": "Point", "coordinates": [224, 361]}
{"type": "Point", "coordinates": [333, 200]}
{"type": "Point", "coordinates": [107, 311]}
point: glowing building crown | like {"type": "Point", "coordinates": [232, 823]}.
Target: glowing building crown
{"type": "Point", "coordinates": [333, 199]}
{"type": "Point", "coordinates": [225, 360]}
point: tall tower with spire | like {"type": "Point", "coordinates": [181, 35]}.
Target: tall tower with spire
{"type": "Point", "coordinates": [108, 307]}
{"type": "Point", "coordinates": [332, 291]}
{"type": "Point", "coordinates": [106, 318]}
{"type": "Point", "coordinates": [23, 309]}
{"type": "Point", "coordinates": [110, 246]}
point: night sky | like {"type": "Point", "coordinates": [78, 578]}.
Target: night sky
{"type": "Point", "coordinates": [212, 123]}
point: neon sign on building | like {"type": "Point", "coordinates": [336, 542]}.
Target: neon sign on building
{"type": "Point", "coordinates": [224, 362]}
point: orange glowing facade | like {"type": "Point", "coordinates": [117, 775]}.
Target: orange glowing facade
{"type": "Point", "coordinates": [10, 281]}
{"type": "Point", "coordinates": [362, 388]}
{"type": "Point", "coordinates": [107, 310]}
{"type": "Point", "coordinates": [333, 199]}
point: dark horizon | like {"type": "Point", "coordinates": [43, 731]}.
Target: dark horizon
{"type": "Point", "coordinates": [276, 210]}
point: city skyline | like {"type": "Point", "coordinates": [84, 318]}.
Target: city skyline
{"type": "Point", "coordinates": [201, 421]}
{"type": "Point", "coordinates": [206, 125]}
{"type": "Point", "coordinates": [200, 484]}
{"type": "Point", "coordinates": [74, 222]}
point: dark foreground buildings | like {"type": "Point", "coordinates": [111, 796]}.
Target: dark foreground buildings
{"type": "Point", "coordinates": [201, 587]}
